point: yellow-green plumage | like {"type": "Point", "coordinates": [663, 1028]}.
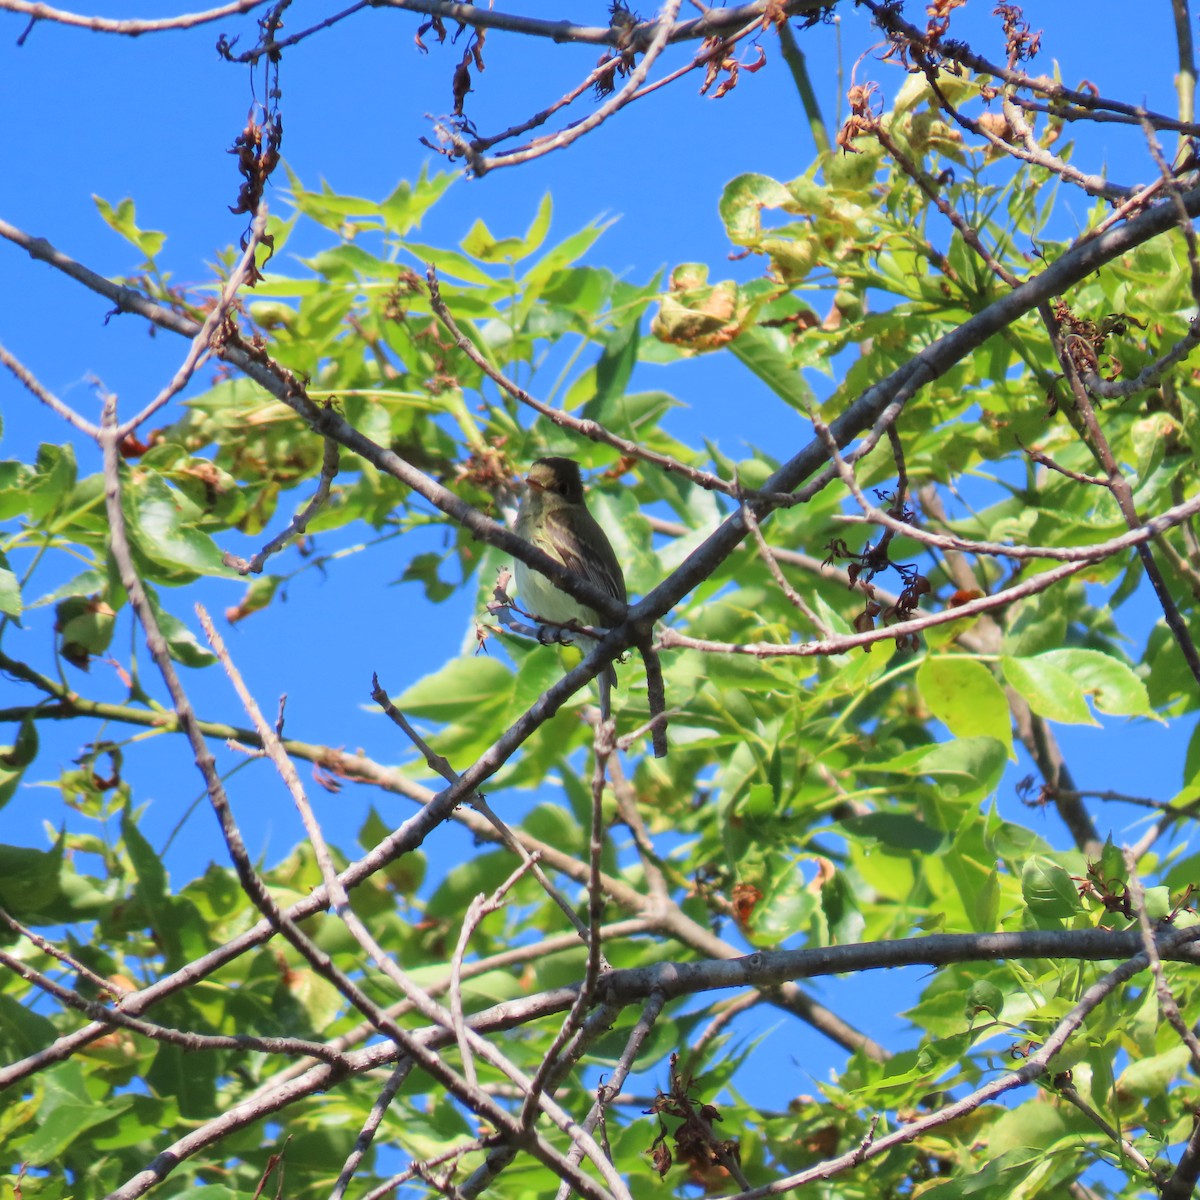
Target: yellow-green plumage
{"type": "Point", "coordinates": [555, 519]}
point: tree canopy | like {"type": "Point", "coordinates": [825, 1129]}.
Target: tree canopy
{"type": "Point", "coordinates": [512, 947]}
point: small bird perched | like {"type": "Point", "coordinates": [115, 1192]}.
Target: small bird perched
{"type": "Point", "coordinates": [554, 518]}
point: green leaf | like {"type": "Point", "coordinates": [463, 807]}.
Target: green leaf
{"type": "Point", "coordinates": [452, 264]}
{"type": "Point", "coordinates": [479, 877]}
{"type": "Point", "coordinates": [182, 643]}
{"type": "Point", "coordinates": [1113, 687]}
{"type": "Point", "coordinates": [403, 209]}
{"type": "Point", "coordinates": [1039, 623]}
{"type": "Point", "coordinates": [64, 1121]}
{"type": "Point", "coordinates": [480, 244]}
{"type": "Point", "coordinates": [85, 628]}
{"type": "Point", "coordinates": [762, 350]}
{"type": "Point", "coordinates": [984, 997]}
{"type": "Point", "coordinates": [1033, 1126]}
{"type": "Point", "coordinates": [974, 763]}
{"type": "Point", "coordinates": [84, 584]}
{"type": "Point", "coordinates": [897, 832]}
{"type": "Point", "coordinates": [1153, 1076]}
{"type": "Point", "coordinates": [14, 488]}
{"type": "Point", "coordinates": [615, 366]}
{"type": "Point", "coordinates": [978, 888]}
{"type": "Point", "coordinates": [742, 202]}
{"type": "Point", "coordinates": [786, 908]}
{"type": "Point", "coordinates": [964, 695]}
{"type": "Point", "coordinates": [152, 876]}
{"type": "Point", "coordinates": [465, 688]}
{"type": "Point", "coordinates": [1048, 890]}
{"type": "Point", "coordinates": [535, 235]}
{"type": "Point", "coordinates": [144, 1119]}
{"type": "Point", "coordinates": [189, 1079]}
{"type": "Point", "coordinates": [10, 589]}
{"type": "Point", "coordinates": [162, 521]}
{"type": "Point", "coordinates": [30, 880]}
{"type": "Point", "coordinates": [122, 218]}
{"type": "Point", "coordinates": [1050, 690]}
{"type": "Point", "coordinates": [22, 1031]}
{"type": "Point", "coordinates": [15, 758]}
{"type": "Point", "coordinates": [425, 569]}
{"type": "Point", "coordinates": [53, 480]}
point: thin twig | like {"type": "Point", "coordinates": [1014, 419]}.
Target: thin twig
{"type": "Point", "coordinates": [128, 27]}
{"type": "Point", "coordinates": [479, 908]}
{"type": "Point", "coordinates": [1040, 456]}
{"type": "Point", "coordinates": [30, 381]}
{"type": "Point", "coordinates": [479, 804]}
{"type": "Point", "coordinates": [391, 1184]}
{"type": "Point", "coordinates": [768, 556]}
{"type": "Point", "coordinates": [299, 523]}
{"type": "Point", "coordinates": [603, 750]}
{"type": "Point", "coordinates": [1139, 534]}
{"type": "Point", "coordinates": [1120, 489]}
{"type": "Point", "coordinates": [663, 33]}
{"type": "Point", "coordinates": [1166, 998]}
{"type": "Point", "coordinates": [627, 807]}
{"type": "Point", "coordinates": [186, 1040]}
{"type": "Point", "coordinates": [606, 1091]}
{"type": "Point", "coordinates": [1149, 376]}
{"type": "Point", "coordinates": [584, 426]}
{"type": "Point", "coordinates": [1185, 223]}
{"type": "Point", "coordinates": [1032, 1068]}
{"type": "Point", "coordinates": [457, 1085]}
{"type": "Point", "coordinates": [671, 639]}
{"type": "Point", "coordinates": [202, 343]}
{"type": "Point", "coordinates": [1088, 104]}
{"type": "Point", "coordinates": [103, 986]}
{"type": "Point", "coordinates": [1181, 1185]}
{"type": "Point", "coordinates": [370, 1127]}
{"type": "Point", "coordinates": [714, 22]}
{"type": "Point", "coordinates": [969, 234]}
{"type": "Point", "coordinates": [597, 1024]}
{"type": "Point", "coordinates": [1069, 1093]}
{"type": "Point", "coordinates": [727, 1012]}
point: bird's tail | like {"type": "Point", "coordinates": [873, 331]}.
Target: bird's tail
{"type": "Point", "coordinates": [607, 680]}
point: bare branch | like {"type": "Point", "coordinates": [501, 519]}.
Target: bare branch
{"type": "Point", "coordinates": [670, 639]}
{"type": "Point", "coordinates": [661, 36]}
{"type": "Point", "coordinates": [26, 377]}
{"type": "Point", "coordinates": [1093, 436]}
{"type": "Point", "coordinates": [714, 22]}
{"type": "Point", "coordinates": [480, 805]}
{"type": "Point", "coordinates": [128, 27]}
{"type": "Point", "coordinates": [606, 1091]}
{"type": "Point", "coordinates": [1034, 1067]}
{"type": "Point", "coordinates": [203, 341]}
{"type": "Point", "coordinates": [479, 908]}
{"type": "Point", "coordinates": [299, 523]}
{"type": "Point", "coordinates": [366, 1135]}
{"type": "Point", "coordinates": [1143, 532]}
{"type": "Point", "coordinates": [186, 1040]}
{"type": "Point", "coordinates": [585, 427]}
{"type": "Point", "coordinates": [1150, 375]}
{"type": "Point", "coordinates": [1068, 103]}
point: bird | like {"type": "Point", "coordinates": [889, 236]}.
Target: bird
{"type": "Point", "coordinates": [553, 516]}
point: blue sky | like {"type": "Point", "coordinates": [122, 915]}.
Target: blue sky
{"type": "Point", "coordinates": [152, 118]}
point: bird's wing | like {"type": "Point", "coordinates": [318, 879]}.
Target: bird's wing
{"type": "Point", "coordinates": [600, 567]}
